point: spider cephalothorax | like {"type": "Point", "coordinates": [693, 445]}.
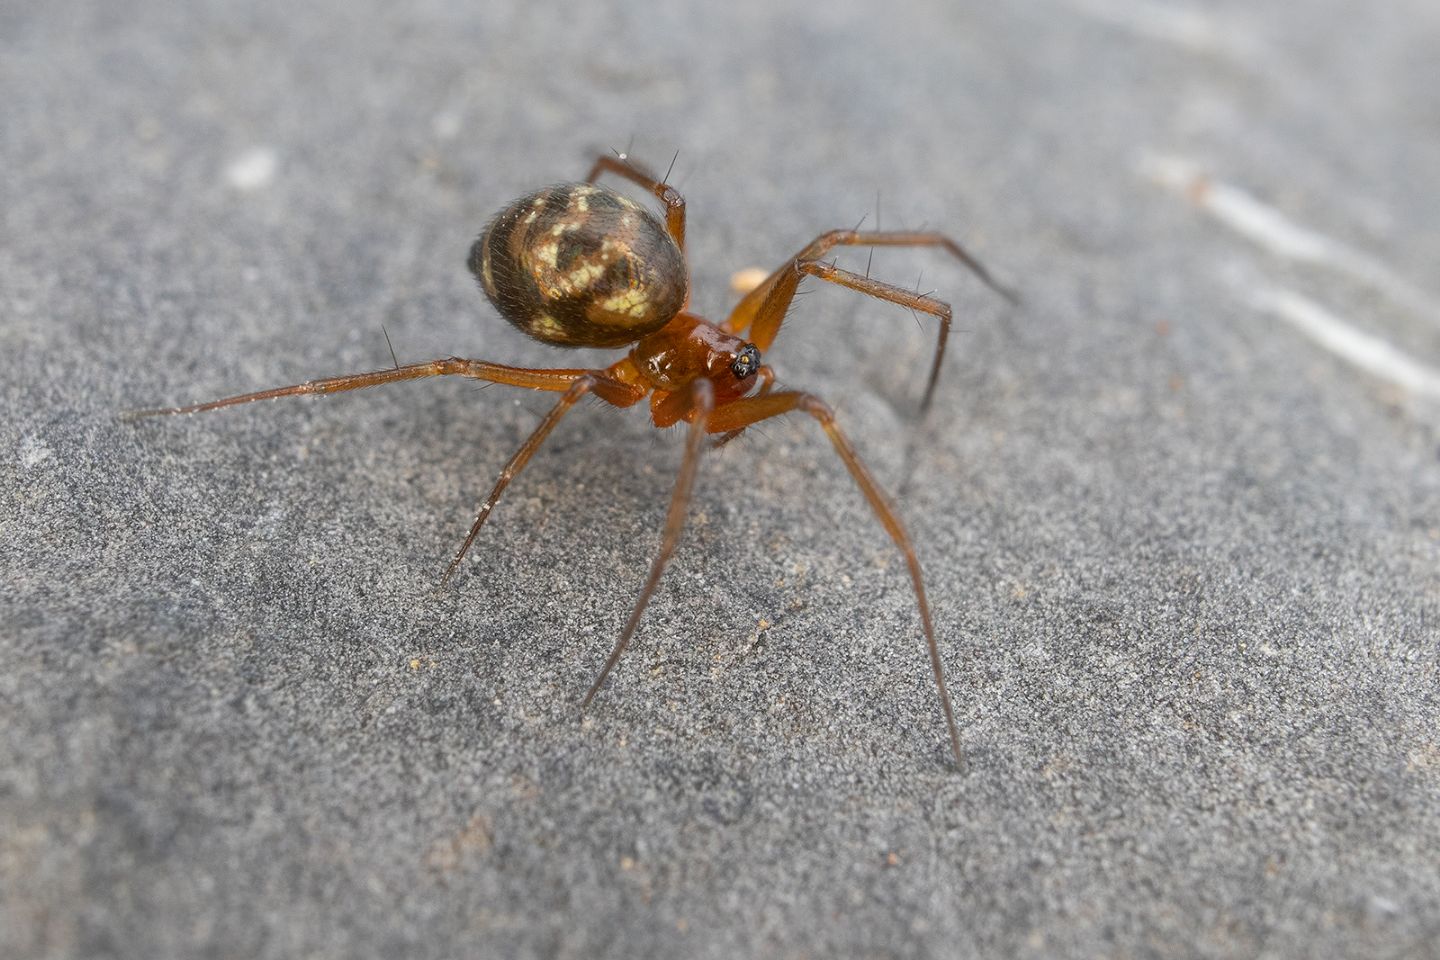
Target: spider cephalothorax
{"type": "Point", "coordinates": [580, 265]}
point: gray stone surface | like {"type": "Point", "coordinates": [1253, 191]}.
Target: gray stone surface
{"type": "Point", "coordinates": [1183, 556]}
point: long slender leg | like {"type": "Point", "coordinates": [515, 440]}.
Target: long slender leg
{"type": "Point", "coordinates": [743, 413]}
{"type": "Point", "coordinates": [668, 195]}
{"type": "Point", "coordinates": [746, 310]}
{"type": "Point", "coordinates": [762, 310]}
{"type": "Point", "coordinates": [703, 402]}
{"type": "Point", "coordinates": [590, 382]}
{"type": "Point", "coordinates": [453, 366]}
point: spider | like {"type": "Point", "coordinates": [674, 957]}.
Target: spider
{"type": "Point", "coordinates": [581, 265]}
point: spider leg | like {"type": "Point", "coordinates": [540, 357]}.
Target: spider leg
{"type": "Point", "coordinates": [555, 380]}
{"type": "Point", "coordinates": [668, 195]}
{"type": "Point", "coordinates": [597, 382]}
{"type": "Point", "coordinates": [762, 310]}
{"type": "Point", "coordinates": [702, 398]}
{"type": "Point", "coordinates": [766, 373]}
{"type": "Point", "coordinates": [750, 410]}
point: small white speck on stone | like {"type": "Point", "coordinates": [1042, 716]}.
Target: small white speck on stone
{"type": "Point", "coordinates": [252, 169]}
{"type": "Point", "coordinates": [33, 452]}
{"type": "Point", "coordinates": [1380, 908]}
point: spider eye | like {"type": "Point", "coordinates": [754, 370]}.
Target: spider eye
{"type": "Point", "coordinates": [746, 362]}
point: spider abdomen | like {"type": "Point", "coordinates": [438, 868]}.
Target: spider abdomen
{"type": "Point", "coordinates": [578, 265]}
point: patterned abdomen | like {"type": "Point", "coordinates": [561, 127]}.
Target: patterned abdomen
{"type": "Point", "coordinates": [578, 265]}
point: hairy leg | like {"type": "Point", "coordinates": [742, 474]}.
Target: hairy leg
{"type": "Point", "coordinates": [745, 412]}
{"type": "Point", "coordinates": [453, 366]}
{"type": "Point", "coordinates": [668, 195]}
{"type": "Point", "coordinates": [763, 310]}
{"type": "Point", "coordinates": [703, 402]}
{"type": "Point", "coordinates": [619, 394]}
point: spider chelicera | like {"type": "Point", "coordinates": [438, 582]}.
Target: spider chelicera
{"type": "Point", "coordinates": [579, 265]}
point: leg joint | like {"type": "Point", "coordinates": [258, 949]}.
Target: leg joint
{"type": "Point", "coordinates": [831, 238]}
{"type": "Point", "coordinates": [817, 408]}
